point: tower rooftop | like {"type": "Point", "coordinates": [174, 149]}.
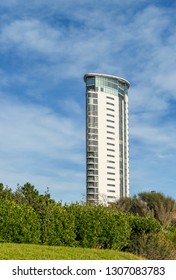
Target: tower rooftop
{"type": "Point", "coordinates": [106, 76]}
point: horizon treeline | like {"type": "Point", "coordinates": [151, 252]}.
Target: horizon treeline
{"type": "Point", "coordinates": [143, 224]}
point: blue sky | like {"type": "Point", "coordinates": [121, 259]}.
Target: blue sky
{"type": "Point", "coordinates": [45, 49]}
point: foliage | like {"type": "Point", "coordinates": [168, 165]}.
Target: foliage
{"type": "Point", "coordinates": [100, 227]}
{"type": "Point", "coordinates": [144, 225]}
{"type": "Point", "coordinates": [154, 246]}
{"type": "Point", "coordinates": [163, 208]}
{"type": "Point", "coordinates": [6, 192]}
{"type": "Point", "coordinates": [26, 216]}
{"type": "Point", "coordinates": [154, 204]}
{"type": "Point", "coordinates": [148, 240]}
{"type": "Point", "coordinates": [171, 233]}
{"type": "Point", "coordinates": [18, 223]}
{"type": "Point", "coordinates": [58, 227]}
{"type": "Point", "coordinates": [132, 205]}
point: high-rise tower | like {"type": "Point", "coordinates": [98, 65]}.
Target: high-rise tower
{"type": "Point", "coordinates": [107, 150]}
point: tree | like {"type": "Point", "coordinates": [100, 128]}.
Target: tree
{"type": "Point", "coordinates": [132, 205]}
{"type": "Point", "coordinates": [154, 204]}
{"type": "Point", "coordinates": [162, 207]}
{"type": "Point", "coordinates": [27, 194]}
{"type": "Point", "coordinates": [6, 192]}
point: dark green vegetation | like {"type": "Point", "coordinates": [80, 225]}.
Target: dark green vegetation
{"type": "Point", "coordinates": [143, 225]}
{"type": "Point", "coordinates": [11, 251]}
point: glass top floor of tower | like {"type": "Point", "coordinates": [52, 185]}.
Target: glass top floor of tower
{"type": "Point", "coordinates": [107, 83]}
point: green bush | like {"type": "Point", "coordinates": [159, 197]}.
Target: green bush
{"type": "Point", "coordinates": [100, 227]}
{"type": "Point", "coordinates": [59, 227]}
{"type": "Point", "coordinates": [87, 230]}
{"type": "Point", "coordinates": [18, 223]}
{"type": "Point", "coordinates": [29, 217]}
{"type": "Point", "coordinates": [143, 225]}
{"type": "Point", "coordinates": [171, 233]}
{"type": "Point", "coordinates": [154, 246]}
{"type": "Point", "coordinates": [148, 240]}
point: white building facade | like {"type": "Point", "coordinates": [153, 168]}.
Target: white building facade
{"type": "Point", "coordinates": [107, 140]}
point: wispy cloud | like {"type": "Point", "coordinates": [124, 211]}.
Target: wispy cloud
{"type": "Point", "coordinates": [37, 143]}
{"type": "Point", "coordinates": [45, 51]}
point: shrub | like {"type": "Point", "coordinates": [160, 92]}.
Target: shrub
{"type": "Point", "coordinates": [154, 246]}
{"type": "Point", "coordinates": [143, 225]}
{"type": "Point", "coordinates": [116, 229]}
{"type": "Point", "coordinates": [18, 223]}
{"type": "Point", "coordinates": [100, 227]}
{"type": "Point", "coordinates": [87, 224]}
{"type": "Point", "coordinates": [148, 240]}
{"type": "Point", "coordinates": [59, 227]}
{"type": "Point", "coordinates": [171, 233]}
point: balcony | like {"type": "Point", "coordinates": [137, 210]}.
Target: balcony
{"type": "Point", "coordinates": [92, 191]}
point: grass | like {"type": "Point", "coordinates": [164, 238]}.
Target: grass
{"type": "Point", "coordinates": [12, 251]}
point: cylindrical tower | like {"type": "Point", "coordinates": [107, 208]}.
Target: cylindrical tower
{"type": "Point", "coordinates": [107, 149]}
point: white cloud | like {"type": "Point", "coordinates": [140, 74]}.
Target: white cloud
{"type": "Point", "coordinates": [40, 146]}
{"type": "Point", "coordinates": [64, 40]}
{"type": "Point", "coordinates": [32, 35]}
{"type": "Point", "coordinates": [35, 129]}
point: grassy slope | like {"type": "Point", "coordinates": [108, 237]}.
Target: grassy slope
{"type": "Point", "coordinates": [11, 251]}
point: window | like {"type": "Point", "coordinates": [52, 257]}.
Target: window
{"type": "Point", "coordinates": [92, 94]}
{"type": "Point", "coordinates": [90, 81]}
{"type": "Point", "coordinates": [91, 107]}
{"type": "Point", "coordinates": [93, 136]}
{"type": "Point", "coordinates": [110, 132]}
{"type": "Point", "coordinates": [110, 150]}
{"type": "Point", "coordinates": [121, 91]}
{"type": "Point", "coordinates": [92, 184]}
{"type": "Point", "coordinates": [110, 156]}
{"type": "Point", "coordinates": [92, 113]}
{"type": "Point", "coordinates": [110, 126]}
{"type": "Point", "coordinates": [92, 121]}
{"type": "Point", "coordinates": [110, 185]}
{"type": "Point", "coordinates": [110, 103]}
{"type": "Point", "coordinates": [92, 142]}
{"type": "Point", "coordinates": [109, 109]}
{"type": "Point", "coordinates": [110, 138]}
{"type": "Point", "coordinates": [110, 115]}
{"type": "Point", "coordinates": [110, 173]}
{"type": "Point", "coordinates": [110, 167]}
{"type": "Point", "coordinates": [92, 154]}
{"type": "Point", "coordinates": [90, 160]}
{"type": "Point", "coordinates": [92, 172]}
{"type": "Point", "coordinates": [90, 101]}
{"type": "Point", "coordinates": [110, 121]}
{"type": "Point", "coordinates": [92, 196]}
{"type": "Point", "coordinates": [110, 144]}
{"type": "Point", "coordinates": [90, 178]}
{"type": "Point", "coordinates": [92, 125]}
{"type": "Point", "coordinates": [91, 190]}
{"type": "Point", "coordinates": [92, 149]}
{"type": "Point", "coordinates": [110, 179]}
{"type": "Point", "coordinates": [90, 166]}
{"type": "Point", "coordinates": [112, 191]}
{"type": "Point", "coordinates": [112, 98]}
{"type": "Point", "coordinates": [92, 130]}
{"type": "Point", "coordinates": [110, 161]}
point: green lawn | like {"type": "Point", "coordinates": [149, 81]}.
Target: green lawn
{"type": "Point", "coordinates": [11, 251]}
